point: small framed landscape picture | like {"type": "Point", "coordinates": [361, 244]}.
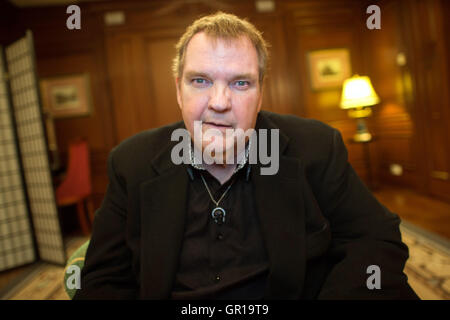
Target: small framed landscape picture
{"type": "Point", "coordinates": [66, 96]}
{"type": "Point", "coordinates": [329, 68]}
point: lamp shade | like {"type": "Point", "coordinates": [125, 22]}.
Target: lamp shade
{"type": "Point", "coordinates": [357, 91]}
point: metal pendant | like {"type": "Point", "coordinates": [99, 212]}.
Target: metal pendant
{"type": "Point", "coordinates": [218, 214]}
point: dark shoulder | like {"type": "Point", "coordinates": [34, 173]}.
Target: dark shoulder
{"type": "Point", "coordinates": [301, 131]}
{"type": "Point", "coordinates": [310, 139]}
{"type": "Point", "coordinates": [293, 125]}
{"type": "Point", "coordinates": [136, 152]}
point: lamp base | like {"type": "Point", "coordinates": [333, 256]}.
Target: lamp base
{"type": "Point", "coordinates": [362, 134]}
{"type": "Point", "coordinates": [362, 137]}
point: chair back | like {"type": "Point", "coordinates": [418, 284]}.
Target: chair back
{"type": "Point", "coordinates": [77, 182]}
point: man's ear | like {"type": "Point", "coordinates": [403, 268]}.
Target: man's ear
{"type": "Point", "coordinates": [178, 87]}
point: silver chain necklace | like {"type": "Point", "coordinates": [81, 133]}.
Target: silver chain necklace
{"type": "Point", "coordinates": [218, 213]}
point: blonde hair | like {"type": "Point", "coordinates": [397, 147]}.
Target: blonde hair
{"type": "Point", "coordinates": [226, 26]}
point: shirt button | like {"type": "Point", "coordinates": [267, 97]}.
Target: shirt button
{"type": "Point", "coordinates": [217, 278]}
{"type": "Point", "coordinates": [220, 236]}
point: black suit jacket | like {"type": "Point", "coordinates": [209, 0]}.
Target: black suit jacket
{"type": "Point", "coordinates": [322, 227]}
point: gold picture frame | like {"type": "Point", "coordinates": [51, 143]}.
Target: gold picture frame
{"type": "Point", "coordinates": [67, 96]}
{"type": "Point", "coordinates": [329, 68]}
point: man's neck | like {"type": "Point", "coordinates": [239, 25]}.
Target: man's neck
{"type": "Point", "coordinates": [222, 172]}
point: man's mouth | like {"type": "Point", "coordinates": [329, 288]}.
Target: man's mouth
{"type": "Point", "coordinates": [218, 124]}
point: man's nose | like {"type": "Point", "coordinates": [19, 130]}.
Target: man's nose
{"type": "Point", "coordinates": [220, 98]}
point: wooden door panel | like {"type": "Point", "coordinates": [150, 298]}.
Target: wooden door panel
{"type": "Point", "coordinates": [142, 84]}
{"type": "Point", "coordinates": [121, 68]}
{"type": "Point", "coordinates": [159, 53]}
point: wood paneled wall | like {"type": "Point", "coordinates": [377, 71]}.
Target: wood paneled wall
{"type": "Point", "coordinates": [133, 88]}
{"type": "Point", "coordinates": [321, 25]}
{"type": "Point", "coordinates": [393, 121]}
{"type": "Point", "coordinates": [410, 71]}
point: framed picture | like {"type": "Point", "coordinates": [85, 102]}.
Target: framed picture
{"type": "Point", "coordinates": [67, 96]}
{"type": "Point", "coordinates": [329, 68]}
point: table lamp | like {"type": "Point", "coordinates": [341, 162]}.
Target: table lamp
{"type": "Point", "coordinates": [357, 96]}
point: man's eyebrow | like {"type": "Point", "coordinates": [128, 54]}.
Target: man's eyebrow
{"type": "Point", "coordinates": [193, 74]}
{"type": "Point", "coordinates": [244, 76]}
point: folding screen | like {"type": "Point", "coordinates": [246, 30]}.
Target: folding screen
{"type": "Point", "coordinates": [24, 154]}
{"type": "Point", "coordinates": [16, 237]}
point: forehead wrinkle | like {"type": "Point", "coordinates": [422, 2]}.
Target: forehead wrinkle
{"type": "Point", "coordinates": [215, 56]}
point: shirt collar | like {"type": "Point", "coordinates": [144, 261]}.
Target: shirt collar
{"type": "Point", "coordinates": [195, 163]}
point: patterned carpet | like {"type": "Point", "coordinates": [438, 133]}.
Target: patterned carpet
{"type": "Point", "coordinates": [428, 266]}
{"type": "Point", "coordinates": [428, 270]}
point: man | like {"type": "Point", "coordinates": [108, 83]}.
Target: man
{"type": "Point", "coordinates": [223, 230]}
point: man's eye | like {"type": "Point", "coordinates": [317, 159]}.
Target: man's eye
{"type": "Point", "coordinates": [241, 84]}
{"type": "Point", "coordinates": [199, 81]}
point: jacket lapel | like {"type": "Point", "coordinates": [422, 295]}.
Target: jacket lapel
{"type": "Point", "coordinates": [280, 206]}
{"type": "Point", "coordinates": [163, 210]}
{"type": "Point", "coordinates": [279, 203]}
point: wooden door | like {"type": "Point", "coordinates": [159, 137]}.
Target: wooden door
{"type": "Point", "coordinates": [141, 80]}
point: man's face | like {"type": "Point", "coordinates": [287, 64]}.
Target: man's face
{"type": "Point", "coordinates": [219, 86]}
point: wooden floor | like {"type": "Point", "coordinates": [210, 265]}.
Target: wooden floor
{"type": "Point", "coordinates": [425, 212]}
{"type": "Point", "coordinates": [9, 278]}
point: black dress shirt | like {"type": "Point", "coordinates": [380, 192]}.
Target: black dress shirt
{"type": "Point", "coordinates": [221, 261]}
